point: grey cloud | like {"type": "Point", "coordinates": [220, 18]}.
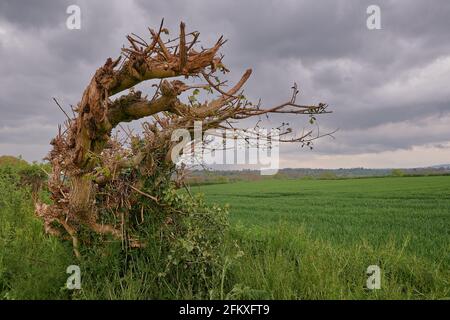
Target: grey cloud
{"type": "Point", "coordinates": [366, 76]}
{"type": "Point", "coordinates": [34, 14]}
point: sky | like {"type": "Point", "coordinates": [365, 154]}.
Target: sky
{"type": "Point", "coordinates": [388, 88]}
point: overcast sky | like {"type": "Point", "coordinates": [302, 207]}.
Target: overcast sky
{"type": "Point", "coordinates": [389, 88]}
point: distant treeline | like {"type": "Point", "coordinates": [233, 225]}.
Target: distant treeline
{"type": "Point", "coordinates": [204, 177]}
{"type": "Point", "coordinates": [36, 173]}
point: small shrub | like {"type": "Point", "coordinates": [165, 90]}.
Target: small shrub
{"type": "Point", "coordinates": [397, 173]}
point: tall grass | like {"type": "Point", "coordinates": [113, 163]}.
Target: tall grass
{"type": "Point", "coordinates": [32, 265]}
{"type": "Point", "coordinates": [288, 263]}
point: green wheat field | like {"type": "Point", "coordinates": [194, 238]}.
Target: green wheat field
{"type": "Point", "coordinates": [288, 239]}
{"type": "Point", "coordinates": [314, 239]}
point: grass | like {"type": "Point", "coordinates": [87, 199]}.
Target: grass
{"type": "Point", "coordinates": [289, 239]}
{"type": "Point", "coordinates": [315, 239]}
{"type": "Point", "coordinates": [32, 265]}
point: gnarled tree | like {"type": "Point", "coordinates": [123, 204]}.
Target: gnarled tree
{"type": "Point", "coordinates": [97, 183]}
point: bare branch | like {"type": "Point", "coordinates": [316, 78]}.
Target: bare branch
{"type": "Point", "coordinates": [183, 51]}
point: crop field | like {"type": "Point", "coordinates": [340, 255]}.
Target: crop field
{"type": "Point", "coordinates": [316, 238]}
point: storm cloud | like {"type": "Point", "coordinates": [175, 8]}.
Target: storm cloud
{"type": "Point", "coordinates": [388, 89]}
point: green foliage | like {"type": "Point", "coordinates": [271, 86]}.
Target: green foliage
{"type": "Point", "coordinates": [191, 237]}
{"type": "Point", "coordinates": [12, 161]}
{"type": "Point", "coordinates": [32, 265]}
{"type": "Point", "coordinates": [280, 176]}
{"type": "Point", "coordinates": [32, 176]}
{"type": "Point", "coordinates": [397, 173]}
{"type": "Point", "coordinates": [189, 232]}
{"type": "Point", "coordinates": [194, 239]}
{"type": "Point", "coordinates": [183, 256]}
